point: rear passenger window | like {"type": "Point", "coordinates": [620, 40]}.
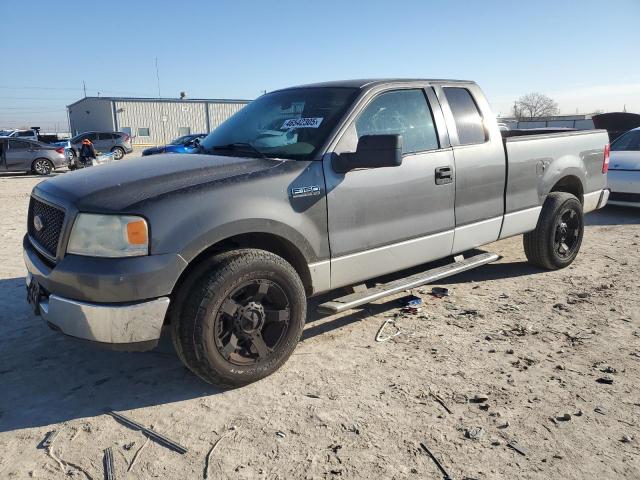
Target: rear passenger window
{"type": "Point", "coordinates": [401, 112]}
{"type": "Point", "coordinates": [18, 145]}
{"type": "Point", "coordinates": [105, 136]}
{"type": "Point", "coordinates": [466, 115]}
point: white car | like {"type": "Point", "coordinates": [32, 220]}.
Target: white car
{"type": "Point", "coordinates": [624, 169]}
{"type": "Point", "coordinates": [21, 134]}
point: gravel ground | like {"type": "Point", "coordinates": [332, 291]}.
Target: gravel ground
{"type": "Point", "coordinates": [535, 344]}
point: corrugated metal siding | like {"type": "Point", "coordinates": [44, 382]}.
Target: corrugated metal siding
{"type": "Point", "coordinates": [219, 112]}
{"type": "Point", "coordinates": [91, 114]}
{"type": "Point", "coordinates": [150, 115]}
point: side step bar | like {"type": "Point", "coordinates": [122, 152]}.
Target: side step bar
{"type": "Point", "coordinates": [360, 298]}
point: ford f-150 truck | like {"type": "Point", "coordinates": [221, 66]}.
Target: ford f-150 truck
{"type": "Point", "coordinates": [305, 190]}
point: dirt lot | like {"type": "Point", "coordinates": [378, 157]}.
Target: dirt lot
{"type": "Point", "coordinates": [534, 343]}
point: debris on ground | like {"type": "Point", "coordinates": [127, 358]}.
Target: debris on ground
{"type": "Point", "coordinates": [157, 437]}
{"type": "Point", "coordinates": [445, 474]}
{"type": "Point", "coordinates": [389, 321]}
{"type": "Point", "coordinates": [109, 468]}
{"type": "Point", "coordinates": [440, 292]}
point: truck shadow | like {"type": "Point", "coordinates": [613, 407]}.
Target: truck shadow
{"type": "Point", "coordinates": [47, 378]}
{"type": "Point", "coordinates": [614, 215]}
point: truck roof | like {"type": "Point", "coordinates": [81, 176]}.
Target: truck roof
{"type": "Point", "coordinates": [371, 82]}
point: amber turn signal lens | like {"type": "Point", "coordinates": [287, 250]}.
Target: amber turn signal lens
{"type": "Point", "coordinates": [137, 232]}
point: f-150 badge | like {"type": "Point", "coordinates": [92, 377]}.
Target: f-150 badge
{"type": "Point", "coordinates": [297, 192]}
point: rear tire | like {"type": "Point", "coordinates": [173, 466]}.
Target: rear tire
{"type": "Point", "coordinates": [556, 241]}
{"type": "Point", "coordinates": [239, 318]}
{"type": "Point", "coordinates": [118, 153]}
{"type": "Point", "coordinates": [42, 166]}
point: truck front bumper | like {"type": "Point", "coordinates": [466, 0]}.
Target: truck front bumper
{"type": "Point", "coordinates": [131, 326]}
{"type": "Point", "coordinates": [121, 303]}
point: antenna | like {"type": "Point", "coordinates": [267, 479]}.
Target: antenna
{"type": "Point", "coordinates": [84, 87]}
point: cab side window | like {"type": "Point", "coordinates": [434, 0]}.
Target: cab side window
{"type": "Point", "coordinates": [467, 116]}
{"type": "Point", "coordinates": [400, 112]}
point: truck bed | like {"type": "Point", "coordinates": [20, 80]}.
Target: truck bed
{"type": "Point", "coordinates": [537, 161]}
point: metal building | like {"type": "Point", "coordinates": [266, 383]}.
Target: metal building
{"type": "Point", "coordinates": [150, 121]}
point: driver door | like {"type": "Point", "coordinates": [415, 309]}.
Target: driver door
{"type": "Point", "coordinates": [18, 155]}
{"type": "Point", "coordinates": [387, 219]}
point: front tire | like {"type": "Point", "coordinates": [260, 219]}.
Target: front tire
{"type": "Point", "coordinates": [241, 318]}
{"type": "Point", "coordinates": [42, 166]}
{"type": "Point", "coordinates": [556, 241]}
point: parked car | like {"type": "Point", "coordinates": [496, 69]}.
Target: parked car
{"type": "Point", "coordinates": [624, 170]}
{"type": "Point", "coordinates": [21, 134]}
{"type": "Point", "coordinates": [117, 142]}
{"type": "Point", "coordinates": [225, 246]}
{"type": "Point", "coordinates": [183, 144]}
{"type": "Point", "coordinates": [18, 155]}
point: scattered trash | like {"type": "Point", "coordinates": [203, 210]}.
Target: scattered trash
{"type": "Point", "coordinates": [107, 461]}
{"type": "Point", "coordinates": [564, 417]}
{"type": "Point", "coordinates": [157, 437]}
{"type": "Point", "coordinates": [213, 447]}
{"type": "Point", "coordinates": [626, 439]}
{"type": "Point", "coordinates": [474, 433]}
{"type": "Point", "coordinates": [411, 301]}
{"type": "Point", "coordinates": [517, 448]}
{"type": "Point", "coordinates": [609, 369]}
{"type": "Point", "coordinates": [445, 475]}
{"type": "Point", "coordinates": [441, 402]}
{"type": "Point", "coordinates": [311, 395]}
{"type": "Point", "coordinates": [484, 407]}
{"type": "Point", "coordinates": [510, 351]}
{"type": "Point", "coordinates": [48, 439]}
{"type": "Point", "coordinates": [504, 425]}
{"type": "Point", "coordinates": [605, 379]}
{"type": "Point", "coordinates": [136, 455]}
{"type": "Point", "coordinates": [281, 434]}
{"type": "Point", "coordinates": [440, 292]}
{"type": "Point", "coordinates": [600, 410]}
{"type": "Point", "coordinates": [388, 321]}
{"type": "Point", "coordinates": [460, 398]}
{"type": "Point", "coordinates": [479, 399]}
{"type": "Point", "coordinates": [128, 446]}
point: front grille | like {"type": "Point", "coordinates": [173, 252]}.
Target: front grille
{"type": "Point", "coordinates": [624, 197]}
{"type": "Point", "coordinates": [52, 219]}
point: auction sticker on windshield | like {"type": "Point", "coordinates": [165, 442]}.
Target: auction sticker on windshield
{"type": "Point", "coordinates": [302, 123]}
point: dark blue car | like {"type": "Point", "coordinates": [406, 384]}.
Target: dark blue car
{"type": "Point", "coordinates": [183, 144]}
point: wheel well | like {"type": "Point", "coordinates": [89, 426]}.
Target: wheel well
{"type": "Point", "coordinates": [118, 147]}
{"type": "Point", "coordinates": [263, 241]}
{"type": "Point", "coordinates": [569, 184]}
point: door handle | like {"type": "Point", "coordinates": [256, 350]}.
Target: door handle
{"type": "Point", "coordinates": [444, 175]}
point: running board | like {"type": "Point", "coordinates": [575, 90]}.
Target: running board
{"type": "Point", "coordinates": [360, 298]}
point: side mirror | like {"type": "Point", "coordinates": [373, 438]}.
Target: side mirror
{"type": "Point", "coordinates": [373, 151]}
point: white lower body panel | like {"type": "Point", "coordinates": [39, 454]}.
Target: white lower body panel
{"type": "Point", "coordinates": [519, 222]}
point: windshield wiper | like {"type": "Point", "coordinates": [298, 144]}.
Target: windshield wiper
{"type": "Point", "coordinates": [238, 146]}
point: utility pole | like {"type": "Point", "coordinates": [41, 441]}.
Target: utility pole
{"type": "Point", "coordinates": [164, 118]}
{"type": "Point", "coordinates": [84, 87]}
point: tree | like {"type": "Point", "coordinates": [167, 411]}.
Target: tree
{"type": "Point", "coordinates": [534, 105]}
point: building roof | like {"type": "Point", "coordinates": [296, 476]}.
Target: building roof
{"type": "Point", "coordinates": [168, 100]}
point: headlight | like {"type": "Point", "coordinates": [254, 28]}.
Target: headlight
{"type": "Point", "coordinates": [109, 236]}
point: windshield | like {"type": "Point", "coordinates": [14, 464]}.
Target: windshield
{"type": "Point", "coordinates": [5, 133]}
{"type": "Point", "coordinates": [180, 140]}
{"type": "Point", "coordinates": [291, 123]}
{"type": "Point", "coordinates": [628, 141]}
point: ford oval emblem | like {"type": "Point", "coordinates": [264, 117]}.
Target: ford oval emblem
{"type": "Point", "coordinates": [38, 223]}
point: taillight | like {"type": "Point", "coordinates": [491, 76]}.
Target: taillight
{"type": "Point", "coordinates": [60, 150]}
{"type": "Point", "coordinates": [605, 160]}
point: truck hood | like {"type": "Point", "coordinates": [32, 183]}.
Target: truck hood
{"type": "Point", "coordinates": [621, 160]}
{"type": "Point", "coordinates": [120, 185]}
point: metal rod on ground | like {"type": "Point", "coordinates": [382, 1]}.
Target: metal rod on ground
{"type": "Point", "coordinates": [435, 460]}
{"type": "Point", "coordinates": [109, 469]}
{"type": "Point", "coordinates": [157, 437]}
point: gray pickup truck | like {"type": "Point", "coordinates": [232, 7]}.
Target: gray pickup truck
{"type": "Point", "coordinates": [305, 190]}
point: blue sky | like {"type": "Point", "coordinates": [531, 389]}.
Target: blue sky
{"type": "Point", "coordinates": [583, 53]}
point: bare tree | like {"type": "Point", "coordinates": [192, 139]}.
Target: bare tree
{"type": "Point", "coordinates": [534, 105]}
